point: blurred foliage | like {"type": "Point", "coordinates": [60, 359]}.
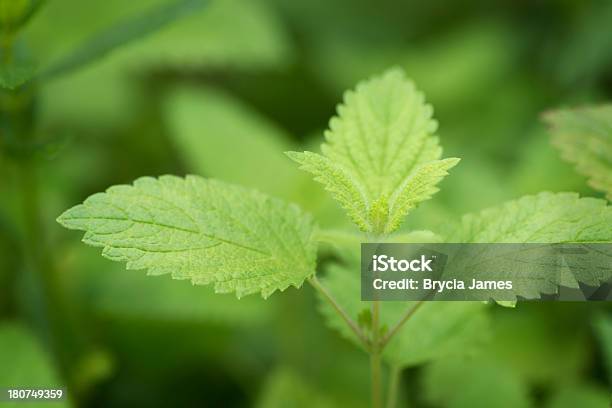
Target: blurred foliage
{"type": "Point", "coordinates": [25, 362]}
{"type": "Point", "coordinates": [222, 91]}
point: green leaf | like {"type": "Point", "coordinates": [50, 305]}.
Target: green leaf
{"type": "Point", "coordinates": [543, 218]}
{"type": "Point", "coordinates": [584, 138]}
{"type": "Point", "coordinates": [286, 389]}
{"type": "Point", "coordinates": [381, 156]}
{"type": "Point", "coordinates": [202, 230]}
{"type": "Point", "coordinates": [219, 136]}
{"type": "Point", "coordinates": [122, 33]}
{"type": "Point", "coordinates": [25, 364]}
{"type": "Point", "coordinates": [436, 330]}
{"type": "Point", "coordinates": [474, 383]}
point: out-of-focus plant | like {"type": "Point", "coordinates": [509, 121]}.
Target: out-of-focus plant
{"type": "Point", "coordinates": [23, 143]}
{"type": "Point", "coordinates": [584, 138]}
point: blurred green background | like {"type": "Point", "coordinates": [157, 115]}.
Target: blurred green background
{"type": "Point", "coordinates": [222, 91]}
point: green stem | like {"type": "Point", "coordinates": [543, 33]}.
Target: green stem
{"type": "Point", "coordinates": [407, 315]}
{"type": "Point", "coordinates": [36, 253]}
{"type": "Point", "coordinates": [336, 306]}
{"type": "Point", "coordinates": [394, 378]}
{"type": "Point", "coordinates": [375, 360]}
{"type": "Point", "coordinates": [56, 318]}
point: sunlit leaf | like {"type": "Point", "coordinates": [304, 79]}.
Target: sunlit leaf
{"type": "Point", "coordinates": [203, 230]}
{"type": "Point", "coordinates": [542, 218]}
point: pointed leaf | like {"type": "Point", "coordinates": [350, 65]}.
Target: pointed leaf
{"type": "Point", "coordinates": [200, 229]}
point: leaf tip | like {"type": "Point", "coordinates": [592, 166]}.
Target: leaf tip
{"type": "Point", "coordinates": [451, 162]}
{"type": "Point", "coordinates": [66, 219]}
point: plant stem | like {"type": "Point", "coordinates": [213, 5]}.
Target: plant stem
{"type": "Point", "coordinates": [394, 378]}
{"type": "Point", "coordinates": [375, 361]}
{"type": "Point", "coordinates": [37, 256]}
{"type": "Point", "coordinates": [399, 324]}
{"type": "Point", "coordinates": [341, 312]}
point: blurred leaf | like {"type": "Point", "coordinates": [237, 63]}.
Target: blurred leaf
{"type": "Point", "coordinates": [203, 230]}
{"type": "Point", "coordinates": [111, 291]}
{"type": "Point", "coordinates": [584, 137]}
{"type": "Point", "coordinates": [15, 13]}
{"type": "Point", "coordinates": [544, 332]}
{"type": "Point", "coordinates": [603, 330]}
{"type": "Point", "coordinates": [285, 389]}
{"type": "Point", "coordinates": [587, 50]}
{"type": "Point", "coordinates": [120, 34]}
{"type": "Point", "coordinates": [553, 173]}
{"type": "Point", "coordinates": [545, 218]}
{"type": "Point", "coordinates": [583, 396]}
{"type": "Point", "coordinates": [453, 68]}
{"type": "Point", "coordinates": [219, 136]}
{"type": "Point", "coordinates": [474, 383]}
{"type": "Point", "coordinates": [380, 158]}
{"type": "Point", "coordinates": [25, 364]}
{"type": "Point", "coordinates": [15, 74]}
{"type": "Point", "coordinates": [477, 174]}
{"type": "Point", "coordinates": [256, 39]}
{"type": "Point", "coordinates": [437, 330]}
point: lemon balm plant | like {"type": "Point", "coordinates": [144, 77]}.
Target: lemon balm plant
{"type": "Point", "coordinates": [380, 159]}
